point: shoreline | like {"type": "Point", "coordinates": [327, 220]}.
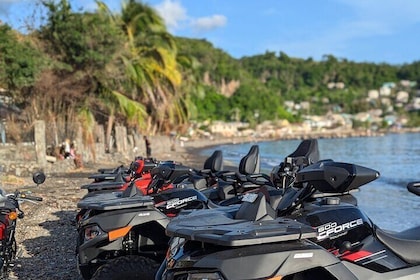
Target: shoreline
{"type": "Point", "coordinates": [187, 152]}
{"type": "Point", "coordinates": [191, 153]}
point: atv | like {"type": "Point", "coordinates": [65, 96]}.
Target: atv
{"type": "Point", "coordinates": [10, 212]}
{"type": "Point", "coordinates": [314, 231]}
{"type": "Point", "coordinates": [123, 234]}
{"type": "Point", "coordinates": [119, 178]}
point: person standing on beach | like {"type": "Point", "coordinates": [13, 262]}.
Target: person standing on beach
{"type": "Point", "coordinates": [66, 145]}
{"type": "Point", "coordinates": [148, 147]}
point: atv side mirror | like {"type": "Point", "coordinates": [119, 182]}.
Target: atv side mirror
{"type": "Point", "coordinates": [38, 178]}
{"type": "Point", "coordinates": [414, 187]}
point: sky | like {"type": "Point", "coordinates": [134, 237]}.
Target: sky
{"type": "Point", "coordinates": [378, 31]}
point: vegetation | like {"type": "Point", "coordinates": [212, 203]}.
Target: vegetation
{"type": "Point", "coordinates": [81, 68]}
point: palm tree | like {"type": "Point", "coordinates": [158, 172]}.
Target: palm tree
{"type": "Point", "coordinates": [151, 62]}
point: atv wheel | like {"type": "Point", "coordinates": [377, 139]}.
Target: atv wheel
{"type": "Point", "coordinates": [86, 272]}
{"type": "Point", "coordinates": [127, 268]}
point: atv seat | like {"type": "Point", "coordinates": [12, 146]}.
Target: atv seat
{"type": "Point", "coordinates": [204, 178]}
{"type": "Point", "coordinates": [405, 244]}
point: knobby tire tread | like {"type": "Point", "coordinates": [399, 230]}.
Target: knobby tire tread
{"type": "Point", "coordinates": [127, 268]}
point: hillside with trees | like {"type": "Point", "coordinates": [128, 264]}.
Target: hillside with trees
{"type": "Point", "coordinates": [82, 68]}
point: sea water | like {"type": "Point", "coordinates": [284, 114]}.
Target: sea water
{"type": "Point", "coordinates": [396, 156]}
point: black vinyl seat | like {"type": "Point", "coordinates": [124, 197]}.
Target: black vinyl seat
{"type": "Point", "coordinates": [405, 244]}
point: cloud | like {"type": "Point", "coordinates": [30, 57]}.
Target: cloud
{"type": "Point", "coordinates": [176, 17]}
{"type": "Point", "coordinates": [172, 12]}
{"type": "Point", "coordinates": [209, 23]}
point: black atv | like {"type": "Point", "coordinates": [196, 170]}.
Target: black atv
{"type": "Point", "coordinates": [315, 231]}
{"type": "Point", "coordinates": [122, 234]}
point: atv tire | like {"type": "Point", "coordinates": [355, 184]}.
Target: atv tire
{"type": "Point", "coordinates": [127, 268]}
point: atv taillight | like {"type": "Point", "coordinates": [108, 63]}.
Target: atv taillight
{"type": "Point", "coordinates": [2, 231]}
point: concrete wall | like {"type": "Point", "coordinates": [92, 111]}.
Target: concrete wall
{"type": "Point", "coordinates": [25, 158]}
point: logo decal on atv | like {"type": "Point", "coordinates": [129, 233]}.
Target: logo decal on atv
{"type": "Point", "coordinates": [303, 255]}
{"type": "Point", "coordinates": [324, 231]}
{"type": "Point", "coordinates": [143, 214]}
{"type": "Point", "coordinates": [176, 202]}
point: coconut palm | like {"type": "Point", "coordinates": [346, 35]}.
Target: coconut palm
{"type": "Point", "coordinates": [150, 62]}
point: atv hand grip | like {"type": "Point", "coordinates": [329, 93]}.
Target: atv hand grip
{"type": "Point", "coordinates": [31, 197]}
{"type": "Point", "coordinates": [414, 187]}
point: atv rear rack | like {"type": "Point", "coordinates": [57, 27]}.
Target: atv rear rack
{"type": "Point", "coordinates": [221, 229]}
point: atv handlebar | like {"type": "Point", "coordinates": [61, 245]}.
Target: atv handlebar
{"type": "Point", "coordinates": [414, 187]}
{"type": "Point", "coordinates": [21, 196]}
{"type": "Point", "coordinates": [29, 197]}
{"type": "Point", "coordinates": [256, 179]}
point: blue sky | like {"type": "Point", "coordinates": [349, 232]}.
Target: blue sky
{"type": "Point", "coordinates": [358, 30]}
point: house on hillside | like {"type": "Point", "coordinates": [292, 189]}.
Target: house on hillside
{"type": "Point", "coordinates": [7, 106]}
{"type": "Point", "coordinates": [227, 129]}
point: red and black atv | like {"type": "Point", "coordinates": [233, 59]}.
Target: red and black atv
{"type": "Point", "coordinates": [9, 213]}
{"type": "Point", "coordinates": [123, 234]}
{"type": "Point", "coordinates": [120, 177]}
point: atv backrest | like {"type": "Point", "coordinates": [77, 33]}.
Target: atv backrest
{"type": "Point", "coordinates": [308, 149]}
{"type": "Point", "coordinates": [137, 166]}
{"type": "Point", "coordinates": [215, 162]}
{"type": "Point", "coordinates": [250, 163]}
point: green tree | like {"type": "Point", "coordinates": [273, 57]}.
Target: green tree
{"type": "Point", "coordinates": [150, 62]}
{"type": "Point", "coordinates": [82, 47]}
{"type": "Point", "coordinates": [20, 62]}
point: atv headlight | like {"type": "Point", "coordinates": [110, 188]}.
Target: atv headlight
{"type": "Point", "coordinates": [92, 231]}
{"type": "Point", "coordinates": [204, 276]}
{"type": "Point", "coordinates": [174, 245]}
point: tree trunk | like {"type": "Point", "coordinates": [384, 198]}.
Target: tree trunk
{"type": "Point", "coordinates": [108, 144]}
